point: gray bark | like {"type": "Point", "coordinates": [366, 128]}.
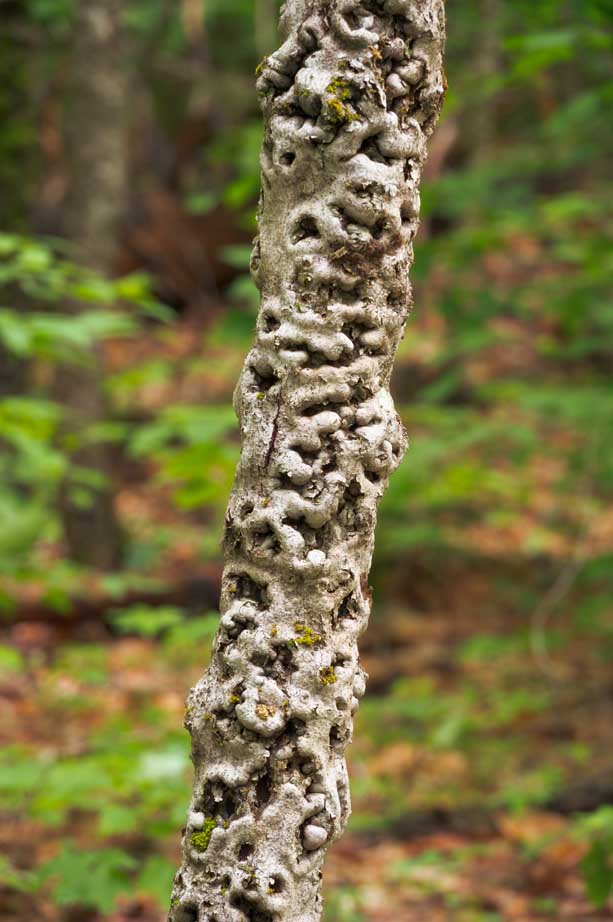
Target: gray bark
{"type": "Point", "coordinates": [349, 101]}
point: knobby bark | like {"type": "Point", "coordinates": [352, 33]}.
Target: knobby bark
{"type": "Point", "coordinates": [349, 101]}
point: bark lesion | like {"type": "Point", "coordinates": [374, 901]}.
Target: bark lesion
{"type": "Point", "coordinates": [348, 102]}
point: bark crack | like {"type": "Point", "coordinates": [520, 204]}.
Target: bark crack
{"type": "Point", "coordinates": [273, 437]}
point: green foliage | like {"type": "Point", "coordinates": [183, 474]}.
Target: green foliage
{"type": "Point", "coordinates": [54, 15]}
{"type": "Point", "coordinates": [597, 864]}
{"type": "Point", "coordinates": [40, 270]}
{"type": "Point", "coordinates": [88, 878]}
{"type": "Point", "coordinates": [14, 879]}
{"type": "Point", "coordinates": [11, 661]}
{"type": "Point", "coordinates": [343, 905]}
{"type": "Point", "coordinates": [242, 148]}
{"type": "Point", "coordinates": [146, 620]}
{"type": "Point", "coordinates": [185, 441]}
{"type": "Point", "coordinates": [191, 638]}
{"type": "Point", "coordinates": [61, 338]}
{"type": "Point", "coordinates": [36, 458]}
{"type": "Point", "coordinates": [597, 870]}
{"type": "Point", "coordinates": [180, 634]}
{"type": "Point", "coordinates": [503, 384]}
{"type": "Point", "coordinates": [155, 879]}
{"type": "Point", "coordinates": [131, 786]}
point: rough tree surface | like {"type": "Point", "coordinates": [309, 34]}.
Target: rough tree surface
{"type": "Point", "coordinates": [349, 101]}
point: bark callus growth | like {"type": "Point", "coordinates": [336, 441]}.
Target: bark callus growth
{"type": "Point", "coordinates": [349, 101]}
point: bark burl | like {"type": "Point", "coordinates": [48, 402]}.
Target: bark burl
{"type": "Point", "coordinates": [349, 101]}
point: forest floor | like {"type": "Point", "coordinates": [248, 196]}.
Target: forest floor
{"type": "Point", "coordinates": [482, 761]}
{"type": "Point", "coordinates": [470, 767]}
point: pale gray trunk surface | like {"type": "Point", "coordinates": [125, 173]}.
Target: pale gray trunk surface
{"type": "Point", "coordinates": [349, 100]}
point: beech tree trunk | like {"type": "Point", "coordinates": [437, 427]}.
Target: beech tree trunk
{"type": "Point", "coordinates": [349, 101]}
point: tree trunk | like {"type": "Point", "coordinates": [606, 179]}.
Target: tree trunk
{"type": "Point", "coordinates": [96, 116]}
{"type": "Point", "coordinates": [349, 101]}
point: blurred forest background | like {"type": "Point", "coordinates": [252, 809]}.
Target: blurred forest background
{"type": "Point", "coordinates": [482, 770]}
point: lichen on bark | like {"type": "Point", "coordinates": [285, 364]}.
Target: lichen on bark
{"type": "Point", "coordinates": [349, 100]}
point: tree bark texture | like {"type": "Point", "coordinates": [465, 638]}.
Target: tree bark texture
{"type": "Point", "coordinates": [349, 101]}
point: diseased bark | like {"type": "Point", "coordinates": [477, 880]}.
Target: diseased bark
{"type": "Point", "coordinates": [96, 145]}
{"type": "Point", "coordinates": [349, 101]}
